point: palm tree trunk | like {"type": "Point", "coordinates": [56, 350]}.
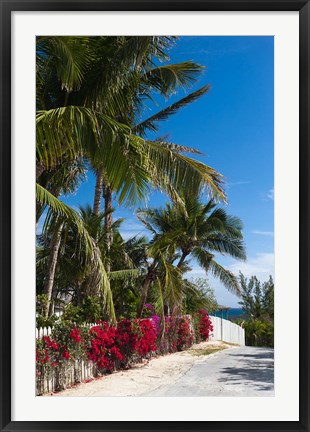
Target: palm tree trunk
{"type": "Point", "coordinates": [108, 219]}
{"type": "Point", "coordinates": [182, 259]}
{"type": "Point", "coordinates": [98, 192]}
{"type": "Point", "coordinates": [151, 274]}
{"type": "Point", "coordinates": [40, 168]}
{"type": "Point", "coordinates": [51, 267]}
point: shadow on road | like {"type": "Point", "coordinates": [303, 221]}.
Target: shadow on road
{"type": "Point", "coordinates": [266, 354]}
{"type": "Point", "coordinates": [255, 370]}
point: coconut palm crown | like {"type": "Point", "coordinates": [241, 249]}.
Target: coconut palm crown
{"type": "Point", "coordinates": [199, 231]}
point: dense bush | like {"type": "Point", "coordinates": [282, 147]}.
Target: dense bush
{"type": "Point", "coordinates": [114, 347]}
{"type": "Point", "coordinates": [185, 335]}
{"type": "Point", "coordinates": [109, 347]}
{"type": "Point", "coordinates": [56, 353]}
{"type": "Point", "coordinates": [146, 337]}
{"type": "Point", "coordinates": [257, 300]}
{"type": "Point", "coordinates": [259, 333]}
{"type": "Point", "coordinates": [89, 311]}
{"type": "Point", "coordinates": [103, 349]}
{"type": "Point", "coordinates": [203, 325]}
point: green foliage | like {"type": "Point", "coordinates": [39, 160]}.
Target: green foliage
{"type": "Point", "coordinates": [257, 300]}
{"type": "Point", "coordinates": [90, 311]}
{"type": "Point", "coordinates": [199, 295]}
{"type": "Point", "coordinates": [61, 333]}
{"type": "Point", "coordinates": [90, 102]}
{"type": "Point", "coordinates": [41, 319]}
{"type": "Point", "coordinates": [125, 299]}
{"type": "Point", "coordinates": [72, 313]}
{"type": "Point", "coordinates": [258, 332]}
{"type": "Point", "coordinates": [92, 308]}
{"type": "Point", "coordinates": [91, 94]}
{"type": "Point", "coordinates": [196, 230]}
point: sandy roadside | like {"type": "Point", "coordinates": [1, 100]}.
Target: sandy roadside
{"type": "Point", "coordinates": [145, 377]}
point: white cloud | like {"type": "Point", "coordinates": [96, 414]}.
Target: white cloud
{"type": "Point", "coordinates": [195, 272]}
{"type": "Point", "coordinates": [128, 234]}
{"type": "Point", "coordinates": [263, 233]}
{"type": "Point", "coordinates": [262, 265]}
{"type": "Point", "coordinates": [131, 229]}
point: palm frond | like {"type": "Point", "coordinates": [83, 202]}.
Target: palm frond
{"type": "Point", "coordinates": [172, 284]}
{"type": "Point", "coordinates": [151, 122]}
{"type": "Point", "coordinates": [229, 280]}
{"type": "Point", "coordinates": [124, 274]}
{"type": "Point", "coordinates": [70, 131]}
{"type": "Point", "coordinates": [226, 245]}
{"type": "Point", "coordinates": [167, 77]}
{"type": "Point", "coordinates": [182, 172]}
{"type": "Point", "coordinates": [67, 55]}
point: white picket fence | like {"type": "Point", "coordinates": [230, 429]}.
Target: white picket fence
{"type": "Point", "coordinates": [46, 331]}
{"type": "Point", "coordinates": [227, 331]}
{"type": "Point", "coordinates": [43, 331]}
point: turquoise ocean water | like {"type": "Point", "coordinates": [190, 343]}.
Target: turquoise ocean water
{"type": "Point", "coordinates": [232, 313]}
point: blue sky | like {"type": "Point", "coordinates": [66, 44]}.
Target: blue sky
{"type": "Point", "coordinates": [233, 126]}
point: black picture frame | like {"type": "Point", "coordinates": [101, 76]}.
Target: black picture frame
{"type": "Point", "coordinates": [7, 7]}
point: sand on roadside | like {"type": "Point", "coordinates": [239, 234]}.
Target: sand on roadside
{"type": "Point", "coordinates": [147, 376]}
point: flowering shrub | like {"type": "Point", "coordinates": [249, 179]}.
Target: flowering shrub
{"type": "Point", "coordinates": [185, 335]}
{"type": "Point", "coordinates": [71, 339]}
{"type": "Point", "coordinates": [103, 349]}
{"type": "Point", "coordinates": [117, 346]}
{"type": "Point", "coordinates": [146, 337]}
{"type": "Point", "coordinates": [60, 351]}
{"type": "Point", "coordinates": [47, 352]}
{"type": "Point", "coordinates": [126, 340]}
{"type": "Point", "coordinates": [75, 334]}
{"type": "Point", "coordinates": [170, 337]}
{"type": "Point", "coordinates": [43, 351]}
{"type": "Point", "coordinates": [113, 347]}
{"type": "Point", "coordinates": [49, 356]}
{"type": "Point", "coordinates": [203, 325]}
{"type": "Point", "coordinates": [156, 323]}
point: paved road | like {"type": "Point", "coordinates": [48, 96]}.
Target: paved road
{"type": "Point", "coordinates": [244, 371]}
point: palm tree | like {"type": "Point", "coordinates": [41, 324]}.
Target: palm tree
{"type": "Point", "coordinates": [74, 276]}
{"type": "Point", "coordinates": [139, 158]}
{"type": "Point", "coordinates": [85, 249]}
{"type": "Point", "coordinates": [142, 80]}
{"type": "Point", "coordinates": [90, 92]}
{"type": "Point", "coordinates": [195, 231]}
{"type": "Point", "coordinates": [61, 180]}
{"type": "Point", "coordinates": [82, 112]}
{"type": "Point", "coordinates": [93, 112]}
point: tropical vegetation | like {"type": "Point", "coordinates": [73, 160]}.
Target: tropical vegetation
{"type": "Point", "coordinates": [93, 95]}
{"type": "Point", "coordinates": [257, 300]}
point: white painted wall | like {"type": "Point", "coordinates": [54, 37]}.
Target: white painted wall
{"type": "Point", "coordinates": [227, 331]}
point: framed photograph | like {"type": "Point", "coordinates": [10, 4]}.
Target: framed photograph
{"type": "Point", "coordinates": [154, 202]}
